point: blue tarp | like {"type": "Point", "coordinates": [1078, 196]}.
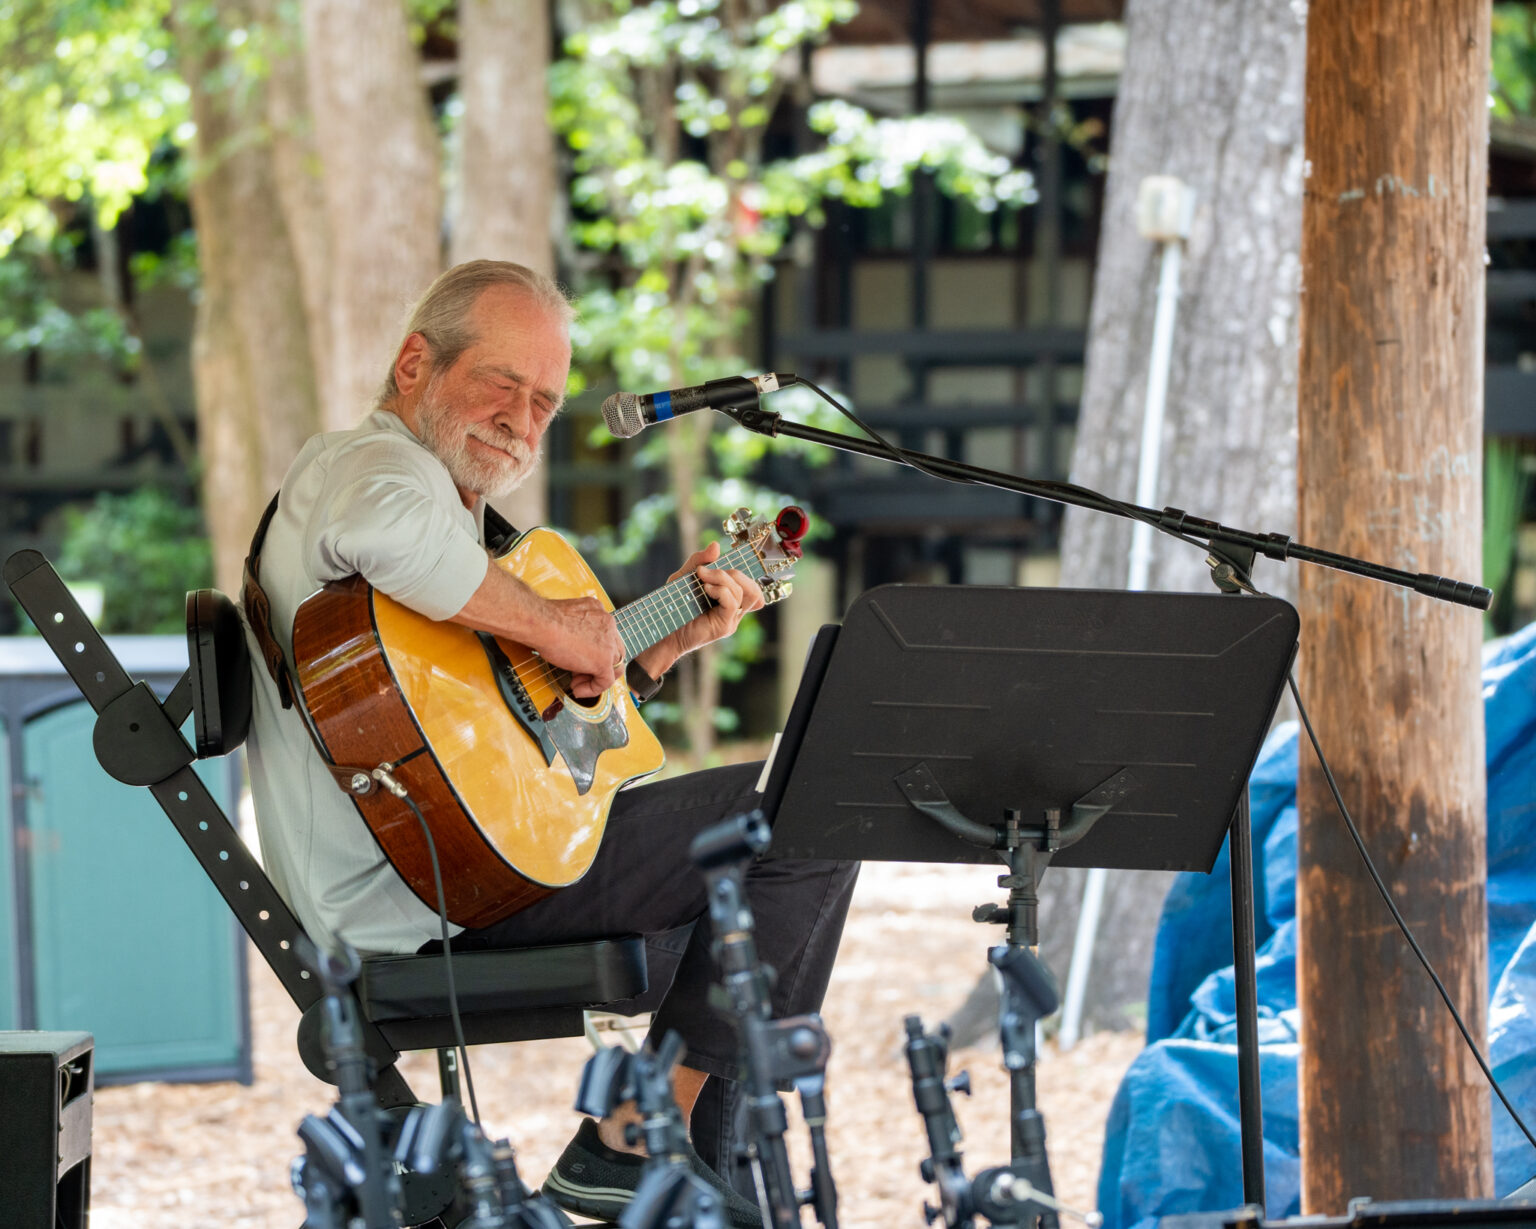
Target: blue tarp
{"type": "Point", "coordinates": [1172, 1141]}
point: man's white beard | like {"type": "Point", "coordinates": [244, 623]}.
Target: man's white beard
{"type": "Point", "coordinates": [474, 470]}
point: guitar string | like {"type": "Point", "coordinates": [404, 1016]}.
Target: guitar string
{"type": "Point", "coordinates": [660, 601]}
{"type": "Point", "coordinates": [559, 677]}
{"type": "Point", "coordinates": [632, 616]}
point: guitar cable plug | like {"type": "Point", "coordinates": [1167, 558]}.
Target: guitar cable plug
{"type": "Point", "coordinates": [382, 774]}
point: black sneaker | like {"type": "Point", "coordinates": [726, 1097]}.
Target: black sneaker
{"type": "Point", "coordinates": [591, 1179]}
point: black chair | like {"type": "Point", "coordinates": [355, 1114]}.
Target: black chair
{"type": "Point", "coordinates": [512, 995]}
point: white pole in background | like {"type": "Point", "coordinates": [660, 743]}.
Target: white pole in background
{"type": "Point", "coordinates": [1164, 209]}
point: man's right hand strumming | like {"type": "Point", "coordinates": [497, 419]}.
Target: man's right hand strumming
{"type": "Point", "coordinates": [574, 633]}
{"type": "Point", "coordinates": [583, 638]}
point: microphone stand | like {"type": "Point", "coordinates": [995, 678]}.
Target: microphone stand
{"type": "Point", "coordinates": [670, 1194]}
{"type": "Point", "coordinates": [1231, 557]}
{"type": "Point", "coordinates": [1230, 546]}
{"type": "Point", "coordinates": [791, 1049]}
{"type": "Point", "coordinates": [347, 1175]}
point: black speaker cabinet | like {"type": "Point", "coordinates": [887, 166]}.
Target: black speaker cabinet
{"type": "Point", "coordinates": [46, 1081]}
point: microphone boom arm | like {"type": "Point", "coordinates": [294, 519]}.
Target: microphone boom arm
{"type": "Point", "coordinates": [1221, 539]}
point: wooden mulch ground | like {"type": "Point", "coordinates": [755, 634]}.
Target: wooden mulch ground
{"type": "Point", "coordinates": [188, 1156]}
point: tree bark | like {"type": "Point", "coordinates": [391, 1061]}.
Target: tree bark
{"type": "Point", "coordinates": [1392, 1104]}
{"type": "Point", "coordinates": [378, 153]}
{"type": "Point", "coordinates": [506, 163]}
{"type": "Point", "coordinates": [251, 361]}
{"type": "Point", "coordinates": [1211, 93]}
{"type": "Point", "coordinates": [296, 169]}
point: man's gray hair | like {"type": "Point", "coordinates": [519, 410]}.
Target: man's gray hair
{"type": "Point", "coordinates": [442, 314]}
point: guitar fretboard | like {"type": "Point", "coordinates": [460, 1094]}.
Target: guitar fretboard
{"type": "Point", "coordinates": [661, 612]}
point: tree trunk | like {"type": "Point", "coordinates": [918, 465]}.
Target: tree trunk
{"type": "Point", "coordinates": [1235, 137]}
{"type": "Point", "coordinates": [296, 169]}
{"type": "Point", "coordinates": [506, 163]}
{"type": "Point", "coordinates": [1211, 93]}
{"type": "Point", "coordinates": [225, 429]}
{"type": "Point", "coordinates": [1392, 1104]}
{"type": "Point", "coordinates": [378, 153]}
{"type": "Point", "coordinates": [251, 360]}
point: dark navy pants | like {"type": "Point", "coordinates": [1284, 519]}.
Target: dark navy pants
{"type": "Point", "coordinates": [642, 882]}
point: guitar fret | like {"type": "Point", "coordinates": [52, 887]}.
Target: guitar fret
{"type": "Point", "coordinates": [663, 611]}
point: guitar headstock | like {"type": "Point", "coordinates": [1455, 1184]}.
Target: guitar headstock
{"type": "Point", "coordinates": [773, 545]}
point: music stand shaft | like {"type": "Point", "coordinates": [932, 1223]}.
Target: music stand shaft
{"type": "Point", "coordinates": [1246, 992]}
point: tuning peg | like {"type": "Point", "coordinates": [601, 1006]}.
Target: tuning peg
{"type": "Point", "coordinates": [776, 590]}
{"type": "Point", "coordinates": [738, 522]}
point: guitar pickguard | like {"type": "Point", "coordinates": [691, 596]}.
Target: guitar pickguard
{"type": "Point", "coordinates": [581, 742]}
{"type": "Point", "coordinates": [576, 741]}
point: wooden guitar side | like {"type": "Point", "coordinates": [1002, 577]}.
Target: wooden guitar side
{"type": "Point", "coordinates": [385, 684]}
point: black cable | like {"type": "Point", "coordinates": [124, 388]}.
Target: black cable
{"type": "Point", "coordinates": [1402, 925]}
{"type": "Point", "coordinates": [453, 990]}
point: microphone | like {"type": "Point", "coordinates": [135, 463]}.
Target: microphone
{"type": "Point", "coordinates": [628, 414]}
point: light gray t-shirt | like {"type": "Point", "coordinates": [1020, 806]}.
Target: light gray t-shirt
{"type": "Point", "coordinates": [372, 502]}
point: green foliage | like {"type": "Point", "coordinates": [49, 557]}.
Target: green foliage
{"type": "Point", "coordinates": [866, 157]}
{"type": "Point", "coordinates": [632, 87]}
{"type": "Point", "coordinates": [695, 235]}
{"type": "Point", "coordinates": [1506, 484]}
{"type": "Point", "coordinates": [1514, 60]}
{"type": "Point", "coordinates": [428, 17]}
{"type": "Point", "coordinates": [32, 318]}
{"type": "Point", "coordinates": [146, 550]}
{"type": "Point", "coordinates": [87, 92]}
{"type": "Point", "coordinates": [176, 266]}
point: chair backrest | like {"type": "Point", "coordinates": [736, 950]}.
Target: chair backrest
{"type": "Point", "coordinates": [219, 669]}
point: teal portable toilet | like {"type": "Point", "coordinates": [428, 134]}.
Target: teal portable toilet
{"type": "Point", "coordinates": [107, 923]}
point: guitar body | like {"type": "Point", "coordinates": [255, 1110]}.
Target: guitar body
{"type": "Point", "coordinates": [514, 777]}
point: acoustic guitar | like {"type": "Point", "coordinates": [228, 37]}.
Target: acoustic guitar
{"type": "Point", "coordinates": [513, 775]}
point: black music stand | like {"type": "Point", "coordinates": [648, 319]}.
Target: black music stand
{"type": "Point", "coordinates": [1038, 726]}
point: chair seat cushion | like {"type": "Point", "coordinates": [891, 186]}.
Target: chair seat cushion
{"type": "Point", "coordinates": [561, 975]}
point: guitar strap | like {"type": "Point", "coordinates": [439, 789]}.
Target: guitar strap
{"type": "Point", "coordinates": [351, 779]}
{"type": "Point", "coordinates": [258, 610]}
{"type": "Point", "coordinates": [500, 533]}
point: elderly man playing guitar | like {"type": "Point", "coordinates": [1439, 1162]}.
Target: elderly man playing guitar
{"type": "Point", "coordinates": [395, 508]}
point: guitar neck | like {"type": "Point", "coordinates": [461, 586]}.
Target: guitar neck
{"type": "Point", "coordinates": [661, 612]}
